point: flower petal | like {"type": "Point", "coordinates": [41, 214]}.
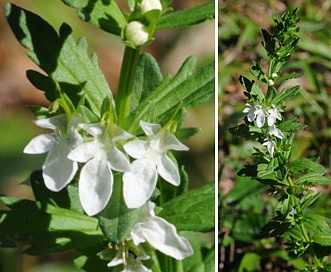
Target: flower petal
{"type": "Point", "coordinates": [95, 186]}
{"type": "Point", "coordinates": [139, 184]}
{"type": "Point", "coordinates": [58, 170]}
{"type": "Point", "coordinates": [117, 259]}
{"type": "Point", "coordinates": [172, 142]}
{"type": "Point", "coordinates": [40, 144]}
{"type": "Point", "coordinates": [163, 236]}
{"type": "Point", "coordinates": [58, 121]}
{"type": "Point", "coordinates": [168, 170]}
{"type": "Point", "coordinates": [83, 152]}
{"type": "Point", "coordinates": [94, 129]}
{"type": "Point", "coordinates": [120, 134]}
{"type": "Point", "coordinates": [118, 161]}
{"type": "Point", "coordinates": [150, 129]}
{"type": "Point", "coordinates": [260, 120]}
{"type": "Point", "coordinates": [136, 149]}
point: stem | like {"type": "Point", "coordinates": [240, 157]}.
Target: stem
{"type": "Point", "coordinates": [316, 261]}
{"type": "Point", "coordinates": [125, 84]}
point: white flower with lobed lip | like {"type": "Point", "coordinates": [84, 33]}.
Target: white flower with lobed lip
{"type": "Point", "coordinates": [274, 114]}
{"type": "Point", "coordinates": [257, 112]}
{"type": "Point", "coordinates": [260, 114]}
{"type": "Point", "coordinates": [250, 110]}
{"type": "Point", "coordinates": [151, 160]}
{"type": "Point", "coordinates": [101, 157]}
{"type": "Point", "coordinates": [148, 5]}
{"type": "Point", "coordinates": [276, 132]}
{"type": "Point", "coordinates": [270, 144]}
{"type": "Point", "coordinates": [131, 262]}
{"type": "Point", "coordinates": [160, 234]}
{"type": "Point", "coordinates": [58, 170]}
{"type": "Point", "coordinates": [136, 32]}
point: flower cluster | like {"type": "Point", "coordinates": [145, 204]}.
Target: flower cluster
{"type": "Point", "coordinates": [261, 113]}
{"type": "Point", "coordinates": [96, 148]}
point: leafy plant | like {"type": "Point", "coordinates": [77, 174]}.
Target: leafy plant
{"type": "Point", "coordinates": [110, 185]}
{"type": "Point", "coordinates": [292, 184]}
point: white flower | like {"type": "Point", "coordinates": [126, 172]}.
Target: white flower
{"type": "Point", "coordinates": [148, 5]}
{"type": "Point", "coordinates": [137, 33]}
{"type": "Point", "coordinates": [274, 114]}
{"type": "Point", "coordinates": [276, 132]}
{"type": "Point", "coordinates": [270, 144]}
{"type": "Point", "coordinates": [160, 234]}
{"type": "Point", "coordinates": [250, 110]}
{"type": "Point", "coordinates": [256, 112]}
{"type": "Point", "coordinates": [260, 114]}
{"type": "Point", "coordinates": [102, 156]}
{"type": "Point", "coordinates": [58, 170]}
{"type": "Point", "coordinates": [131, 262]}
{"type": "Point", "coordinates": [151, 159]}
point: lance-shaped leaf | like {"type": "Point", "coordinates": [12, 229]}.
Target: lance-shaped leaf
{"type": "Point", "coordinates": [46, 228]}
{"type": "Point", "coordinates": [186, 88]}
{"type": "Point", "coordinates": [66, 62]}
{"type": "Point", "coordinates": [192, 211]}
{"type": "Point", "coordinates": [147, 77]}
{"type": "Point", "coordinates": [105, 15]}
{"type": "Point", "coordinates": [187, 17]}
{"type": "Point", "coordinates": [116, 220]}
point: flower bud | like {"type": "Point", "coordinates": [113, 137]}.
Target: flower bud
{"type": "Point", "coordinates": [136, 33]}
{"type": "Point", "coordinates": [271, 82]}
{"type": "Point", "coordinates": [148, 5]}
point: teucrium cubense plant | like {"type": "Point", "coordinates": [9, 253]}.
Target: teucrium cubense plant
{"type": "Point", "coordinates": [291, 182]}
{"type": "Point", "coordinates": [110, 186]}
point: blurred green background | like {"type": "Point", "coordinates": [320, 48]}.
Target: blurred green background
{"type": "Point", "coordinates": [170, 48]}
{"type": "Point", "coordinates": [244, 209]}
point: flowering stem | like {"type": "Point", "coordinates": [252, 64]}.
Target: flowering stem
{"type": "Point", "coordinates": [125, 84]}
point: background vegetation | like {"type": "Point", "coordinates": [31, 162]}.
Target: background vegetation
{"type": "Point", "coordinates": [245, 208]}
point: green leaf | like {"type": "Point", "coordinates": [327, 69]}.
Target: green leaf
{"type": "Point", "coordinates": [46, 228]}
{"type": "Point", "coordinates": [116, 220]}
{"type": "Point", "coordinates": [148, 76]}
{"type": "Point", "coordinates": [304, 164]}
{"type": "Point", "coordinates": [310, 200]}
{"type": "Point", "coordinates": [290, 125]}
{"type": "Point", "coordinates": [43, 83]}
{"type": "Point", "coordinates": [184, 134]}
{"type": "Point", "coordinates": [314, 178]}
{"type": "Point", "coordinates": [253, 89]}
{"type": "Point", "coordinates": [317, 223]}
{"type": "Point", "coordinates": [192, 211]}
{"type": "Point", "coordinates": [187, 17]}
{"type": "Point", "coordinates": [105, 15]}
{"type": "Point", "coordinates": [203, 258]}
{"type": "Point", "coordinates": [66, 62]}
{"type": "Point", "coordinates": [323, 239]}
{"type": "Point", "coordinates": [257, 71]}
{"type": "Point", "coordinates": [186, 88]}
{"type": "Point", "coordinates": [67, 198]}
{"type": "Point", "coordinates": [244, 187]}
{"type": "Point", "coordinates": [286, 94]}
{"type": "Point", "coordinates": [250, 262]}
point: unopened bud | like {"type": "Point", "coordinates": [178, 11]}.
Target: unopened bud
{"type": "Point", "coordinates": [274, 75]}
{"type": "Point", "coordinates": [148, 5]}
{"type": "Point", "coordinates": [136, 33]}
{"type": "Point", "coordinates": [271, 82]}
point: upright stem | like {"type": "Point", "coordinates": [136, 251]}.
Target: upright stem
{"type": "Point", "coordinates": [125, 84]}
{"type": "Point", "coordinates": [305, 234]}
